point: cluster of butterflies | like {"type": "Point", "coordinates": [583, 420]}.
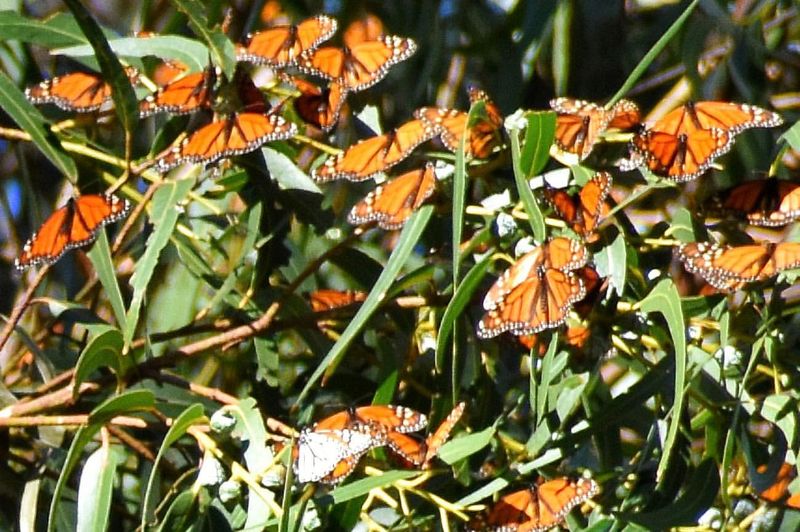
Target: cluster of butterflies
{"type": "Point", "coordinates": [330, 449]}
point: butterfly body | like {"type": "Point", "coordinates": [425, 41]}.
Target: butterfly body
{"type": "Point", "coordinates": [74, 225]}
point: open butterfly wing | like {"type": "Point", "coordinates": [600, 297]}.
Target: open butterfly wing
{"type": "Point", "coordinates": [238, 134]}
{"type": "Point", "coordinates": [411, 450]}
{"type": "Point", "coordinates": [556, 498]}
{"type": "Point", "coordinates": [392, 203]}
{"type": "Point", "coordinates": [183, 96]}
{"type": "Point", "coordinates": [366, 28]}
{"type": "Point", "coordinates": [578, 125]}
{"type": "Point", "coordinates": [730, 117]}
{"type": "Point", "coordinates": [78, 91]}
{"type": "Point", "coordinates": [371, 156]}
{"type": "Point", "coordinates": [765, 202]}
{"type": "Point", "coordinates": [679, 157]}
{"type": "Point", "coordinates": [71, 226]}
{"type": "Point", "coordinates": [625, 115]}
{"type": "Point", "coordinates": [282, 46]}
{"type": "Point", "coordinates": [725, 267]}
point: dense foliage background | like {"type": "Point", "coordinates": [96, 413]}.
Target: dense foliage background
{"type": "Point", "coordinates": [122, 373]}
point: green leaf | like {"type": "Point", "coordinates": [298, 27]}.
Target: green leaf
{"type": "Point", "coordinates": [405, 245]}
{"type": "Point", "coordinates": [782, 411]}
{"type": "Point", "coordinates": [219, 46]}
{"type": "Point", "coordinates": [562, 22]}
{"type": "Point", "coordinates": [460, 448]}
{"type": "Point", "coordinates": [100, 256]}
{"type": "Point", "coordinates": [612, 262]}
{"type": "Point", "coordinates": [188, 417]}
{"type": "Point", "coordinates": [539, 134]}
{"type": "Point", "coordinates": [459, 195]}
{"type": "Point", "coordinates": [697, 497]}
{"type": "Point", "coordinates": [126, 402]}
{"type": "Point", "coordinates": [103, 350]}
{"type": "Point", "coordinates": [365, 485]}
{"type": "Point", "coordinates": [535, 218]}
{"type": "Point", "coordinates": [21, 111]}
{"type": "Point", "coordinates": [792, 136]}
{"type": "Point", "coordinates": [664, 299]}
{"type": "Point", "coordinates": [60, 30]}
{"type": "Point", "coordinates": [96, 487]}
{"type": "Point", "coordinates": [456, 306]}
{"type": "Point", "coordinates": [165, 216]}
{"type": "Point", "coordinates": [286, 173]}
{"type": "Point", "coordinates": [190, 52]}
{"type": "Point", "coordinates": [126, 104]}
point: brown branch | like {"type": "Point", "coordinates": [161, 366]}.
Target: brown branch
{"type": "Point", "coordinates": [140, 448]}
{"type": "Point", "coordinates": [22, 304]}
{"type": "Point", "coordinates": [56, 399]}
{"type": "Point", "coordinates": [69, 420]}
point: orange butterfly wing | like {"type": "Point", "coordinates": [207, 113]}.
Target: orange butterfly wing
{"type": "Point", "coordinates": [361, 66]}
{"type": "Point", "coordinates": [555, 498]}
{"type": "Point", "coordinates": [320, 107]}
{"type": "Point", "coordinates": [578, 125]}
{"type": "Point", "coordinates": [77, 91]}
{"type": "Point", "coordinates": [238, 134]}
{"type": "Point", "coordinates": [435, 441]}
{"type": "Point", "coordinates": [371, 156]}
{"type": "Point", "coordinates": [182, 96]}
{"type": "Point", "coordinates": [282, 46]}
{"type": "Point", "coordinates": [73, 225]}
{"type": "Point", "coordinates": [393, 202]}
{"type": "Point", "coordinates": [731, 267]}
{"type": "Point", "coordinates": [449, 124]}
{"type": "Point", "coordinates": [537, 292]}
{"type": "Point", "coordinates": [367, 28]}
{"type": "Point", "coordinates": [410, 449]}
{"type": "Point", "coordinates": [765, 202]}
{"type": "Point", "coordinates": [322, 300]}
{"type": "Point", "coordinates": [584, 211]}
{"type": "Point", "coordinates": [382, 418]}
{"type": "Point", "coordinates": [685, 142]}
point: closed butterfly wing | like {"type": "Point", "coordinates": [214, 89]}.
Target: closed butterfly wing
{"type": "Point", "coordinates": [182, 96]}
{"type": "Point", "coordinates": [282, 46]}
{"type": "Point", "coordinates": [438, 438]}
{"type": "Point", "coordinates": [322, 300]}
{"type": "Point", "coordinates": [411, 450]}
{"type": "Point", "coordinates": [74, 225]}
{"type": "Point", "coordinates": [731, 267]}
{"type": "Point", "coordinates": [578, 125]}
{"type": "Point", "coordinates": [320, 106]}
{"type": "Point", "coordinates": [238, 134]}
{"type": "Point", "coordinates": [374, 155]}
{"type": "Point", "coordinates": [361, 66]}
{"type": "Point", "coordinates": [342, 470]}
{"type": "Point", "coordinates": [625, 115]}
{"type": "Point", "coordinates": [393, 202]}
{"type": "Point", "coordinates": [583, 212]}
{"type": "Point", "coordinates": [765, 202]}
{"type": "Point", "coordinates": [81, 92]}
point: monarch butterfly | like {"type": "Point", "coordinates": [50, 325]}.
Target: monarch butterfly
{"type": "Point", "coordinates": [74, 225]}
{"type": "Point", "coordinates": [685, 142]}
{"type": "Point", "coordinates": [318, 453]}
{"type": "Point", "coordinates": [234, 135]}
{"type": "Point", "coordinates": [360, 66]}
{"type": "Point", "coordinates": [322, 300]}
{"type": "Point", "coordinates": [282, 46]}
{"type": "Point", "coordinates": [765, 202]}
{"type": "Point", "coordinates": [579, 123]}
{"type": "Point", "coordinates": [317, 106]}
{"type": "Point", "coordinates": [392, 203]}
{"type": "Point", "coordinates": [731, 267]}
{"type": "Point", "coordinates": [537, 508]}
{"type": "Point", "coordinates": [367, 28]}
{"type": "Point", "coordinates": [374, 155]}
{"type": "Point", "coordinates": [375, 419]}
{"type": "Point", "coordinates": [420, 453]}
{"type": "Point", "coordinates": [582, 212]}
{"type": "Point", "coordinates": [182, 96]}
{"type": "Point", "coordinates": [80, 92]}
{"type": "Point", "coordinates": [536, 292]}
{"type": "Point", "coordinates": [449, 124]}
